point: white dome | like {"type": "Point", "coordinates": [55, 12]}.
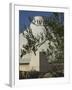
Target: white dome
{"type": "Point", "coordinates": [37, 30]}
{"type": "Point", "coordinates": [38, 20]}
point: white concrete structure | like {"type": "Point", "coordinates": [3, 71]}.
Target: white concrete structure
{"type": "Point", "coordinates": [31, 61]}
{"type": "Point", "coordinates": [37, 27]}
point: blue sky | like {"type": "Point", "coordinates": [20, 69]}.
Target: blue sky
{"type": "Point", "coordinates": [24, 15]}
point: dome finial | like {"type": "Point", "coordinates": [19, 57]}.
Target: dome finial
{"type": "Point", "coordinates": [38, 20]}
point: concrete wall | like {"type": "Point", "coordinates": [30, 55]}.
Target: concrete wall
{"type": "Point", "coordinates": [39, 62]}
{"type": "Point", "coordinates": [34, 63]}
{"type": "Point", "coordinates": [43, 62]}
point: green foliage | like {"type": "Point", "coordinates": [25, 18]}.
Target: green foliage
{"type": "Point", "coordinates": [37, 74]}
{"type": "Point", "coordinates": [56, 36]}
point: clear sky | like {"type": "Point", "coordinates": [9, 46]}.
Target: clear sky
{"type": "Point", "coordinates": [24, 15]}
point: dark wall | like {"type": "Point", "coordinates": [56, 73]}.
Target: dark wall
{"type": "Point", "coordinates": [44, 65]}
